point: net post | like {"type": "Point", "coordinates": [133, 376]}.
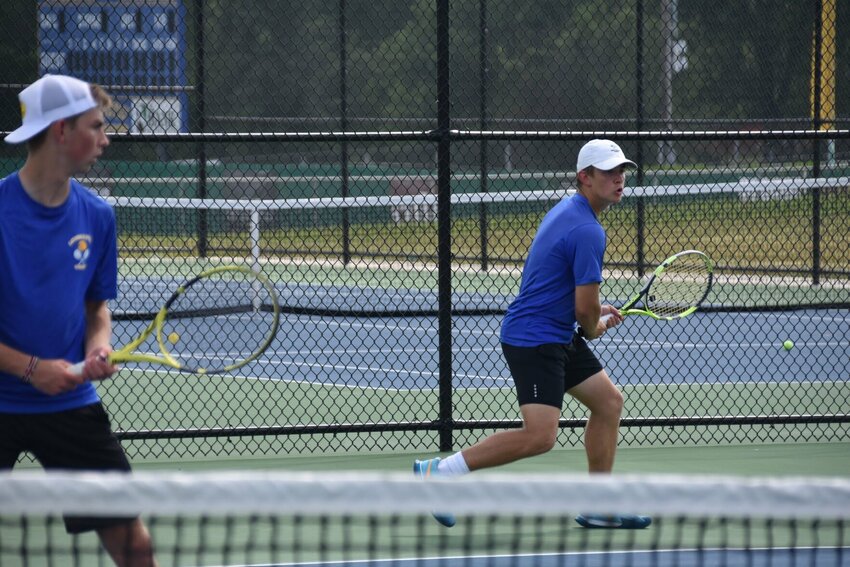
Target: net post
{"type": "Point", "coordinates": [255, 239]}
{"type": "Point", "coordinates": [255, 258]}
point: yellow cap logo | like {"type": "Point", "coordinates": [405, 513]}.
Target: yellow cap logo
{"type": "Point", "coordinates": [23, 110]}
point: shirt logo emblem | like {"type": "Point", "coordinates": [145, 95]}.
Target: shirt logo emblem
{"type": "Point", "coordinates": [81, 247]}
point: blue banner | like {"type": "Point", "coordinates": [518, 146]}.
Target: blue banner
{"type": "Point", "coordinates": [136, 50]}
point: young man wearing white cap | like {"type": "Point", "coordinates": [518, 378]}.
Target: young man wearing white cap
{"type": "Point", "coordinates": [545, 354]}
{"type": "Point", "coordinates": [58, 269]}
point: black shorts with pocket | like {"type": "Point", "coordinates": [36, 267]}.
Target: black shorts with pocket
{"type": "Point", "coordinates": [543, 374]}
{"type": "Point", "coordinates": [76, 440]}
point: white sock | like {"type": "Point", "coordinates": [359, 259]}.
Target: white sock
{"type": "Point", "coordinates": [454, 465]}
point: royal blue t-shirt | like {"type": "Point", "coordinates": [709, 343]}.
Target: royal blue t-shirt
{"type": "Point", "coordinates": [52, 259]}
{"type": "Point", "coordinates": [567, 251]}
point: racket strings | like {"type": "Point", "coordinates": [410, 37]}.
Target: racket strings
{"type": "Point", "coordinates": [682, 284]}
{"type": "Point", "coordinates": [220, 321]}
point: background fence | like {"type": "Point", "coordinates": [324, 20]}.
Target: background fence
{"type": "Point", "coordinates": [387, 165]}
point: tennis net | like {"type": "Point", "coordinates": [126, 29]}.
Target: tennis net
{"type": "Point", "coordinates": [377, 254]}
{"type": "Point", "coordinates": [363, 519]}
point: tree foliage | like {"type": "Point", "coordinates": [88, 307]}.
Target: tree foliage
{"type": "Point", "coordinates": [556, 62]}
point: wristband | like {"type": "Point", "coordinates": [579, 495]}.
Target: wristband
{"type": "Point", "coordinates": [31, 366]}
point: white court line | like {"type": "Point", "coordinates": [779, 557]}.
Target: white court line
{"type": "Point", "coordinates": [496, 379]}
{"type": "Point", "coordinates": [626, 344]}
{"type": "Point", "coordinates": [694, 555]}
{"type": "Point", "coordinates": [726, 384]}
{"type": "Point", "coordinates": [434, 374]}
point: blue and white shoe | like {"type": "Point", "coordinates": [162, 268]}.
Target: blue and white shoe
{"type": "Point", "coordinates": [425, 469]}
{"type": "Point", "coordinates": [614, 522]}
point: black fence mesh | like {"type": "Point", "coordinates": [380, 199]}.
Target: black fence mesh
{"type": "Point", "coordinates": [387, 164]}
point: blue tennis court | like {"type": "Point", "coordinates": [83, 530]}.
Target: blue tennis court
{"type": "Point", "coordinates": [361, 346]}
{"type": "Point", "coordinates": [704, 348]}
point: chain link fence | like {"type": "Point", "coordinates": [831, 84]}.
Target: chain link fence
{"type": "Point", "coordinates": [386, 164]}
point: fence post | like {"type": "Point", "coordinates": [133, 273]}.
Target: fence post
{"type": "Point", "coordinates": [444, 227]}
{"type": "Point", "coordinates": [482, 66]}
{"type": "Point", "coordinates": [816, 124]}
{"type": "Point", "coordinates": [200, 71]}
{"type": "Point", "coordinates": [343, 110]}
{"type": "Point", "coordinates": [639, 256]}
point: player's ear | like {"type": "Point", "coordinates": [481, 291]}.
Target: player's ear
{"type": "Point", "coordinates": [58, 130]}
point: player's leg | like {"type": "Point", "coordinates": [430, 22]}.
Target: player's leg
{"type": "Point", "coordinates": [82, 439]}
{"type": "Point", "coordinates": [538, 374]}
{"type": "Point", "coordinates": [11, 446]}
{"type": "Point", "coordinates": [536, 436]}
{"type": "Point", "coordinates": [588, 382]}
{"type": "Point", "coordinates": [605, 403]}
{"type": "Point", "coordinates": [129, 544]}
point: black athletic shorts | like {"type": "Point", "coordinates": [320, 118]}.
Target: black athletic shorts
{"type": "Point", "coordinates": [542, 374]}
{"type": "Point", "coordinates": [78, 439]}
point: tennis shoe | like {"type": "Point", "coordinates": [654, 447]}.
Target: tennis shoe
{"type": "Point", "coordinates": [426, 469]}
{"type": "Point", "coordinates": [614, 522]}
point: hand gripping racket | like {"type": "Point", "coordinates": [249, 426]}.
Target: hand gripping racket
{"type": "Point", "coordinates": [676, 288]}
{"type": "Point", "coordinates": [216, 322]}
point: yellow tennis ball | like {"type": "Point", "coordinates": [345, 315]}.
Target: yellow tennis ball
{"type": "Point", "coordinates": [788, 345]}
{"type": "Point", "coordinates": [173, 338]}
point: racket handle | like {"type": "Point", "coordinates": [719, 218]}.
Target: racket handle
{"type": "Point", "coordinates": [78, 368]}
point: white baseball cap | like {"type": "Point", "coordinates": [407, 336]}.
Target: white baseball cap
{"type": "Point", "coordinates": [602, 154]}
{"type": "Point", "coordinates": [51, 98]}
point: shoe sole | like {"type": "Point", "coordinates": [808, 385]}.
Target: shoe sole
{"type": "Point", "coordinates": [630, 524]}
{"type": "Point", "coordinates": [447, 520]}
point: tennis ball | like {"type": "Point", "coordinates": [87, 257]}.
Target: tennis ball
{"type": "Point", "coordinates": [788, 345]}
{"type": "Point", "coordinates": [173, 338]}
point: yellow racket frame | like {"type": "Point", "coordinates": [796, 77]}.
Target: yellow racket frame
{"type": "Point", "coordinates": [627, 308]}
{"type": "Point", "coordinates": [127, 354]}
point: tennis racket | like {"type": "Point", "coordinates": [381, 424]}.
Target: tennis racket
{"type": "Point", "coordinates": [214, 323]}
{"type": "Point", "coordinates": [676, 288]}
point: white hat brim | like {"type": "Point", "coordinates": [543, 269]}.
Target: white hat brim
{"type": "Point", "coordinates": [24, 133]}
{"type": "Point", "coordinates": [613, 162]}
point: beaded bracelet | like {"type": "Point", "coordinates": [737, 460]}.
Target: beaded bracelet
{"type": "Point", "coordinates": [27, 376]}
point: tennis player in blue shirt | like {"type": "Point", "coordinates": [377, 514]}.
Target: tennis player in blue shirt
{"type": "Point", "coordinates": [546, 356]}
{"type": "Point", "coordinates": [58, 269]}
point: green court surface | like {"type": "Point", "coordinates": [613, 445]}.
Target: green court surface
{"type": "Point", "coordinates": [776, 459]}
{"type": "Point", "coordinates": [157, 401]}
{"type": "Point", "coordinates": [153, 401]}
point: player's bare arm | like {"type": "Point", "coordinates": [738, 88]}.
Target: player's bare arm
{"type": "Point", "coordinates": [51, 376]}
{"type": "Point", "coordinates": [98, 341]}
{"type": "Point", "coordinates": [589, 312]}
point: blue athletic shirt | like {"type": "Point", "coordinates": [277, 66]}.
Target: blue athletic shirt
{"type": "Point", "coordinates": [567, 251]}
{"type": "Point", "coordinates": [52, 259]}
